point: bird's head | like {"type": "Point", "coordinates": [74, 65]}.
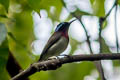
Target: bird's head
{"type": "Point", "coordinates": [64, 26]}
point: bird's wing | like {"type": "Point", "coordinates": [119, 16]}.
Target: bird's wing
{"type": "Point", "coordinates": [53, 39]}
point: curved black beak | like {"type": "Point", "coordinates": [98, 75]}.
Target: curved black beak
{"type": "Point", "coordinates": [72, 21]}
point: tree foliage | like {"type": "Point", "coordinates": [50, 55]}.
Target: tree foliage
{"type": "Point", "coordinates": [17, 34]}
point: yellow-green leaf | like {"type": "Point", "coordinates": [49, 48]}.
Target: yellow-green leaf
{"type": "Point", "coordinates": [98, 7]}
{"type": "Point", "coordinates": [5, 3]}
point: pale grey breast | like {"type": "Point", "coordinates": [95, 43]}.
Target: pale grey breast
{"type": "Point", "coordinates": [59, 46]}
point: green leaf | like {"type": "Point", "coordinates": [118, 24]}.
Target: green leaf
{"type": "Point", "coordinates": [119, 2]}
{"type": "Point", "coordinates": [80, 13]}
{"type": "Point", "coordinates": [78, 70]}
{"type": "Point", "coordinates": [116, 63]}
{"type": "Point", "coordinates": [104, 24]}
{"type": "Point", "coordinates": [3, 53]}
{"type": "Point", "coordinates": [92, 1]}
{"type": "Point", "coordinates": [42, 75]}
{"type": "Point", "coordinates": [47, 4]}
{"type": "Point", "coordinates": [5, 3]}
{"type": "Point", "coordinates": [74, 43]}
{"type": "Point", "coordinates": [3, 32]}
{"type": "Point", "coordinates": [35, 4]}
{"type": "Point", "coordinates": [21, 38]}
{"type": "Point", "coordinates": [98, 7]}
{"type": "Point", "coordinates": [69, 17]}
{"type": "Point", "coordinates": [2, 11]}
{"type": "Point", "coordinates": [4, 74]}
{"type": "Point", "coordinates": [3, 60]}
{"type": "Point", "coordinates": [105, 47]}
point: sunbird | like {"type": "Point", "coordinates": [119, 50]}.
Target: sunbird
{"type": "Point", "coordinates": [58, 42]}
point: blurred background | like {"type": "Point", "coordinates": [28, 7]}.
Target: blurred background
{"type": "Point", "coordinates": [26, 25]}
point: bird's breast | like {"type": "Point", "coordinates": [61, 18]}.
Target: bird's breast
{"type": "Point", "coordinates": [59, 46]}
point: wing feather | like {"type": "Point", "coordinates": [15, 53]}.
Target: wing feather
{"type": "Point", "coordinates": [53, 39]}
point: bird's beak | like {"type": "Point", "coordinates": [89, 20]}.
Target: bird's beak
{"type": "Point", "coordinates": [72, 21]}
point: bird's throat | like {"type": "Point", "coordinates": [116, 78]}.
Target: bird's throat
{"type": "Point", "coordinates": [65, 34]}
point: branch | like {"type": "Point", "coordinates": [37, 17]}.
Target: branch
{"type": "Point", "coordinates": [56, 63]}
{"type": "Point", "coordinates": [86, 33]}
{"type": "Point", "coordinates": [13, 67]}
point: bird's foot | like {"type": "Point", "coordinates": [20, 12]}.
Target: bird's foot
{"type": "Point", "coordinates": [54, 66]}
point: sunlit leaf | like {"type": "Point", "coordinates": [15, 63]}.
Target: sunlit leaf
{"type": "Point", "coordinates": [119, 2]}
{"type": "Point", "coordinates": [104, 24]}
{"type": "Point", "coordinates": [3, 32]}
{"type": "Point", "coordinates": [98, 7]}
{"type": "Point", "coordinates": [92, 1]}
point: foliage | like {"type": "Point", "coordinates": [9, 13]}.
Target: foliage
{"type": "Point", "coordinates": [17, 34]}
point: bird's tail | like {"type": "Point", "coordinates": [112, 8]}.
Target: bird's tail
{"type": "Point", "coordinates": [42, 58]}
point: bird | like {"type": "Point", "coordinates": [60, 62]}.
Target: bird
{"type": "Point", "coordinates": [58, 42]}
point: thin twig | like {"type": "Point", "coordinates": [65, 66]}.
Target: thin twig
{"type": "Point", "coordinates": [88, 37]}
{"type": "Point", "coordinates": [110, 10]}
{"type": "Point", "coordinates": [56, 63]}
{"type": "Point", "coordinates": [101, 21]}
{"type": "Point", "coordinates": [86, 32]}
{"type": "Point", "coordinates": [116, 32]}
